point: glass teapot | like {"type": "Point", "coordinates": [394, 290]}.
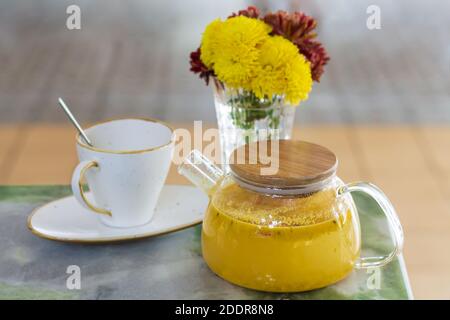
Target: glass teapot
{"type": "Point", "coordinates": [292, 230]}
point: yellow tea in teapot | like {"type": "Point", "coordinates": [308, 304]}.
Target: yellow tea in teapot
{"type": "Point", "coordinates": [292, 230]}
{"type": "Point", "coordinates": [279, 244]}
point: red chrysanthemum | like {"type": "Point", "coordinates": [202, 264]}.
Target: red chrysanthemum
{"type": "Point", "coordinates": [197, 66]}
{"type": "Point", "coordinates": [316, 55]}
{"type": "Point", "coordinates": [250, 12]}
{"type": "Point", "coordinates": [299, 29]}
{"type": "Point", "coordinates": [293, 26]}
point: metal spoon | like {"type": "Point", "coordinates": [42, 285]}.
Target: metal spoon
{"type": "Point", "coordinates": [74, 121]}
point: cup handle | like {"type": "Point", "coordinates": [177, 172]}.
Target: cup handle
{"type": "Point", "coordinates": [77, 187]}
{"type": "Point", "coordinates": [393, 220]}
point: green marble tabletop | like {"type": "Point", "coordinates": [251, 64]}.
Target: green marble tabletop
{"type": "Point", "coordinates": [164, 267]}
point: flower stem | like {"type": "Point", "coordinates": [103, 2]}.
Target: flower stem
{"type": "Point", "coordinates": [246, 108]}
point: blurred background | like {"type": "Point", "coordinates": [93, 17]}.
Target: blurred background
{"type": "Point", "coordinates": [383, 104]}
{"type": "Point", "coordinates": [131, 57]}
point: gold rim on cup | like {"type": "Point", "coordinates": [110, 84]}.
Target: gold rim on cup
{"type": "Point", "coordinates": [82, 144]}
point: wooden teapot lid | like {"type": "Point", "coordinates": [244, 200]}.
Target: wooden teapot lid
{"type": "Point", "coordinates": [300, 164]}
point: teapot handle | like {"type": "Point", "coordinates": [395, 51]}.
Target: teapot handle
{"type": "Point", "coordinates": [393, 220]}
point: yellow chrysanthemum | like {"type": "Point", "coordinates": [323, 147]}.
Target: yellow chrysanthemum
{"type": "Point", "coordinates": [299, 81]}
{"type": "Point", "coordinates": [231, 47]}
{"type": "Point", "coordinates": [210, 43]}
{"type": "Point", "coordinates": [282, 71]}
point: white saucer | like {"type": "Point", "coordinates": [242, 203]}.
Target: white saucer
{"type": "Point", "coordinates": [66, 220]}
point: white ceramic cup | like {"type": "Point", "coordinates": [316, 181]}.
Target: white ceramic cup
{"type": "Point", "coordinates": [125, 169]}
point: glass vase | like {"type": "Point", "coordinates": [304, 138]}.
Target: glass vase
{"type": "Point", "coordinates": [244, 118]}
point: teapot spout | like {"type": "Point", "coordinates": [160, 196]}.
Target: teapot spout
{"type": "Point", "coordinates": [200, 171]}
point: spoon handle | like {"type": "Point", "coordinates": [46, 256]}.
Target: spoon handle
{"type": "Point", "coordinates": [73, 120]}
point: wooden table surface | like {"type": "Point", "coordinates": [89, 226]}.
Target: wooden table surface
{"type": "Point", "coordinates": [410, 163]}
